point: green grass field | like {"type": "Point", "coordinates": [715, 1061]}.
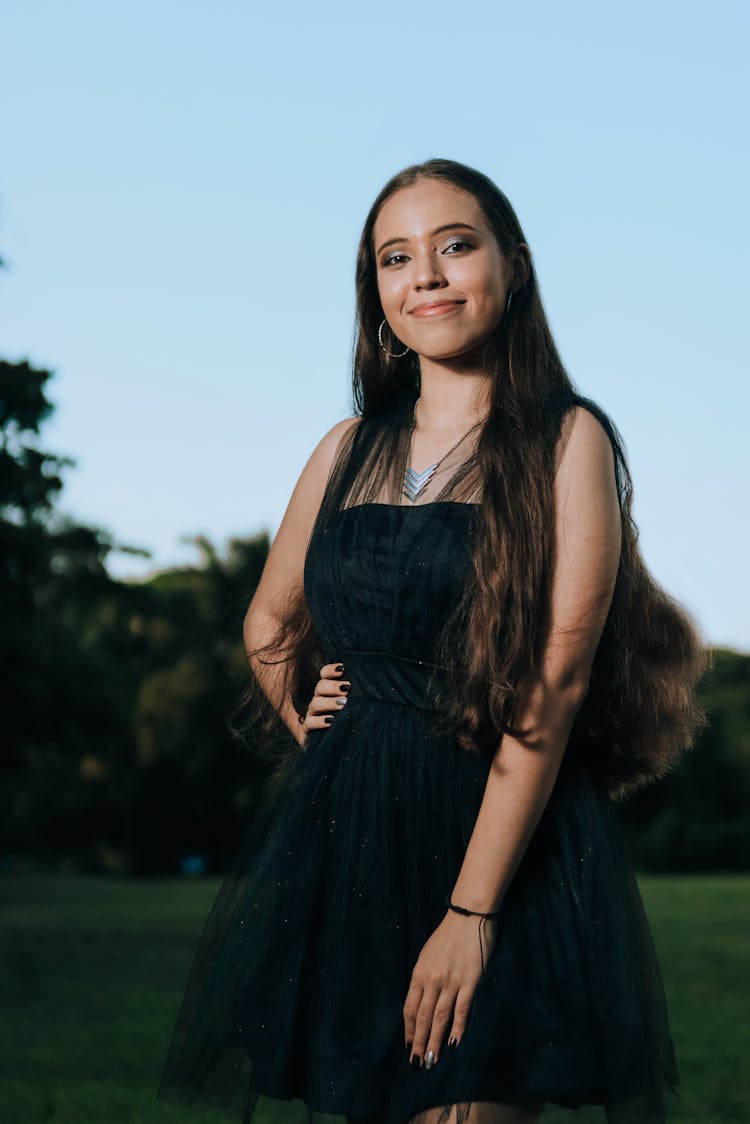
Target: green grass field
{"type": "Point", "coordinates": [92, 970]}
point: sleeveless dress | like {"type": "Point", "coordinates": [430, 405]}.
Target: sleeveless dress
{"type": "Point", "coordinates": [301, 972]}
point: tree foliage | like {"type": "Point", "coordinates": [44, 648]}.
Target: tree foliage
{"type": "Point", "coordinates": [696, 818]}
{"type": "Point", "coordinates": [116, 752]}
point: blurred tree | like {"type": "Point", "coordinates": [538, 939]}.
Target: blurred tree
{"type": "Point", "coordinates": [51, 574]}
{"type": "Point", "coordinates": [195, 788]}
{"type": "Point", "coordinates": [696, 818]}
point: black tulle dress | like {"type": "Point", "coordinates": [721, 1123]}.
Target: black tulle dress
{"type": "Point", "coordinates": [300, 976]}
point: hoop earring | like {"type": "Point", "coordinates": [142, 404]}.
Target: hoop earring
{"type": "Point", "coordinates": [507, 303]}
{"type": "Point", "coordinates": [392, 354]}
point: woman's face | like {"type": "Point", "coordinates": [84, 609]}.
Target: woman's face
{"type": "Point", "coordinates": [442, 277]}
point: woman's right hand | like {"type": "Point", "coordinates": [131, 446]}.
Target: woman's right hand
{"type": "Point", "coordinates": [329, 697]}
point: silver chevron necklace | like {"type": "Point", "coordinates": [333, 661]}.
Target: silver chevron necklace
{"type": "Point", "coordinates": [416, 482]}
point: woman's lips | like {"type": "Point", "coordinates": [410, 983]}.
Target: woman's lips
{"type": "Point", "coordinates": [436, 309]}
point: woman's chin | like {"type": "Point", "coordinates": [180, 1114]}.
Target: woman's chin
{"type": "Point", "coordinates": [458, 356]}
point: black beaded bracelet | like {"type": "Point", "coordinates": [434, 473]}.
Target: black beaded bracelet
{"type": "Point", "coordinates": [472, 913]}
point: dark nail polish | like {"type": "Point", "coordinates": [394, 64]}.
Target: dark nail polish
{"type": "Point", "coordinates": [345, 687]}
{"type": "Point", "coordinates": [339, 667]}
{"type": "Point", "coordinates": [408, 1047]}
{"type": "Point", "coordinates": [453, 1043]}
{"type": "Point", "coordinates": [328, 719]}
{"type": "Point", "coordinates": [416, 1061]}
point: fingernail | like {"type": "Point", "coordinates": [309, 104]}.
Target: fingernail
{"type": "Point", "coordinates": [453, 1043]}
{"type": "Point", "coordinates": [341, 701]}
{"type": "Point", "coordinates": [416, 1061]}
{"type": "Point", "coordinates": [430, 1059]}
{"type": "Point", "coordinates": [346, 687]}
{"type": "Point", "coordinates": [339, 667]}
{"type": "Point", "coordinates": [408, 1047]}
{"type": "Point", "coordinates": [328, 719]}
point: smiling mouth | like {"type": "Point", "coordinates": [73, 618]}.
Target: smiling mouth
{"type": "Point", "coordinates": [437, 309]}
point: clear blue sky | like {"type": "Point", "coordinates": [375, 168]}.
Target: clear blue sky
{"type": "Point", "coordinates": [181, 191]}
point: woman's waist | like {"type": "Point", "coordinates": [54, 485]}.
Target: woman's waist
{"type": "Point", "coordinates": [389, 677]}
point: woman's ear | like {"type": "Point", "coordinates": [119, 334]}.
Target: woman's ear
{"type": "Point", "coordinates": [521, 265]}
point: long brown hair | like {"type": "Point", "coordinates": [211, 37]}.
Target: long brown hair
{"type": "Point", "coordinates": [640, 711]}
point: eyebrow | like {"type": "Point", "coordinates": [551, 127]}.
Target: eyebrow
{"type": "Point", "coordinates": [438, 230]}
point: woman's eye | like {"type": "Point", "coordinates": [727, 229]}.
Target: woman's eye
{"type": "Point", "coordinates": [458, 245]}
{"type": "Point", "coordinates": [393, 259]}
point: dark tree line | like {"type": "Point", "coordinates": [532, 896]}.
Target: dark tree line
{"type": "Point", "coordinates": [696, 818]}
{"type": "Point", "coordinates": [116, 749]}
{"type": "Point", "coordinates": [117, 752]}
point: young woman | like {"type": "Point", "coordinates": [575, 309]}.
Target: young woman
{"type": "Point", "coordinates": [435, 917]}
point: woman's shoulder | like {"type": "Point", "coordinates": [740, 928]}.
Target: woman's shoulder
{"type": "Point", "coordinates": [331, 446]}
{"type": "Point", "coordinates": [340, 429]}
{"type": "Point", "coordinates": [586, 423]}
{"type": "Point", "coordinates": [334, 438]}
{"type": "Point", "coordinates": [581, 404]}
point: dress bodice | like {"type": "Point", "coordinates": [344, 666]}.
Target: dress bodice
{"type": "Point", "coordinates": [385, 576]}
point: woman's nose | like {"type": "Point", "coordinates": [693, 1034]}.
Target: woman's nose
{"type": "Point", "coordinates": [427, 273]}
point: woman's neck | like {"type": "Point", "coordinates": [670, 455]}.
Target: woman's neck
{"type": "Point", "coordinates": [449, 401]}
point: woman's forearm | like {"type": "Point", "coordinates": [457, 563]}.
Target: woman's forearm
{"type": "Point", "coordinates": [519, 784]}
{"type": "Point", "coordinates": [257, 631]}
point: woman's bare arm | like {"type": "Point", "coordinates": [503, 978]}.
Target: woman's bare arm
{"type": "Point", "coordinates": [284, 569]}
{"type": "Point", "coordinates": [587, 539]}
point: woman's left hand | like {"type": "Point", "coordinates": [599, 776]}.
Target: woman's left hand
{"type": "Point", "coordinates": [442, 985]}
